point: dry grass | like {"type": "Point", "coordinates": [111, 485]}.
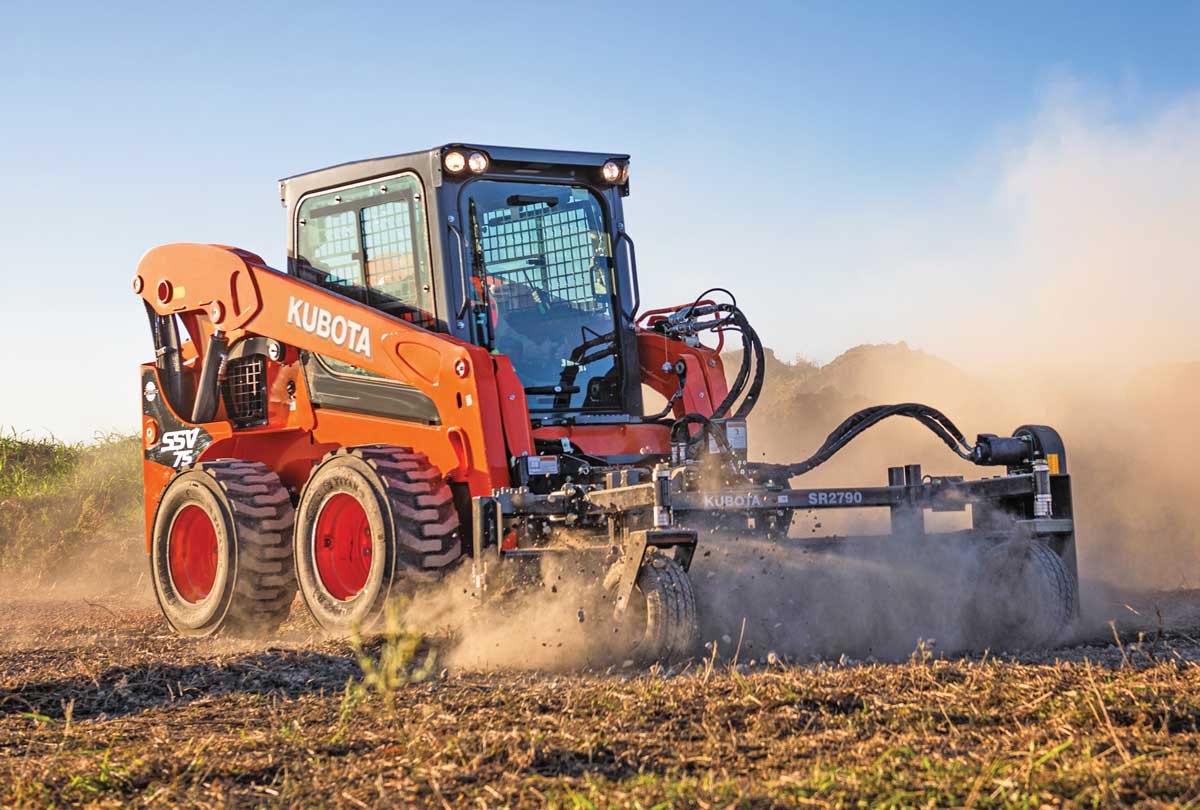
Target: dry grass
{"type": "Point", "coordinates": [148, 719]}
{"type": "Point", "coordinates": [69, 510]}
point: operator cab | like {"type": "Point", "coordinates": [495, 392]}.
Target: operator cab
{"type": "Point", "coordinates": [522, 251]}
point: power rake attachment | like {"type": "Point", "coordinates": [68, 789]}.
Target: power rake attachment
{"type": "Point", "coordinates": [645, 519]}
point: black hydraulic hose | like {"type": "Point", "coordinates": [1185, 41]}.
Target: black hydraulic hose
{"type": "Point", "coordinates": [739, 382]}
{"type": "Point", "coordinates": [726, 317]}
{"type": "Point", "coordinates": [167, 357]}
{"type": "Point", "coordinates": [732, 298]}
{"type": "Point", "coordinates": [682, 374]}
{"type": "Point", "coordinates": [932, 418]}
{"type": "Point", "coordinates": [680, 426]}
{"type": "Point", "coordinates": [753, 360]}
{"type": "Point", "coordinates": [760, 369]}
{"type": "Point", "coordinates": [747, 388]}
{"type": "Point", "coordinates": [679, 432]}
{"type": "Point", "coordinates": [857, 423]}
{"type": "Point", "coordinates": [208, 389]}
{"type": "Point", "coordinates": [740, 325]}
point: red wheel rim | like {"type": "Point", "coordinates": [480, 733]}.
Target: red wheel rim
{"type": "Point", "coordinates": [192, 554]}
{"type": "Point", "coordinates": [342, 546]}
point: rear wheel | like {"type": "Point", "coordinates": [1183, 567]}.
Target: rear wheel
{"type": "Point", "coordinates": [221, 550]}
{"type": "Point", "coordinates": [659, 624]}
{"type": "Point", "coordinates": [1024, 598]}
{"type": "Point", "coordinates": [370, 520]}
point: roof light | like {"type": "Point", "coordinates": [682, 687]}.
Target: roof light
{"type": "Point", "coordinates": [477, 162]}
{"type": "Point", "coordinates": [614, 172]}
{"type": "Point", "coordinates": [454, 162]}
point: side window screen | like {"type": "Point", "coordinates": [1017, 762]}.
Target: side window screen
{"type": "Point", "coordinates": [368, 243]}
{"type": "Point", "coordinates": [332, 247]}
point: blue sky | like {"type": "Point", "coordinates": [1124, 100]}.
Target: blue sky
{"type": "Point", "coordinates": [790, 150]}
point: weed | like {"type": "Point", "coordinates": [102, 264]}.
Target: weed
{"type": "Point", "coordinates": [390, 666]}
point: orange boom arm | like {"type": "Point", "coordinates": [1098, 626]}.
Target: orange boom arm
{"type": "Point", "coordinates": [214, 287]}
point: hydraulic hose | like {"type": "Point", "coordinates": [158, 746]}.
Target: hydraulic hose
{"type": "Point", "coordinates": [702, 315]}
{"type": "Point", "coordinates": [760, 369]}
{"type": "Point", "coordinates": [747, 386]}
{"type": "Point", "coordinates": [854, 425]}
{"type": "Point", "coordinates": [739, 382]}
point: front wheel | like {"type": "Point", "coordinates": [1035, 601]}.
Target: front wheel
{"type": "Point", "coordinates": [221, 550]}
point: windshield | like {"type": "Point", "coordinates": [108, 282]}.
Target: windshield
{"type": "Point", "coordinates": [542, 264]}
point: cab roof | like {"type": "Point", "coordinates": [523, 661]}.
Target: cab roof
{"type": "Point", "coordinates": [429, 163]}
{"type": "Point", "coordinates": [508, 154]}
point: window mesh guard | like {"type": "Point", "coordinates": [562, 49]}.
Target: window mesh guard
{"type": "Point", "coordinates": [543, 248]}
{"type": "Point", "coordinates": [368, 250]}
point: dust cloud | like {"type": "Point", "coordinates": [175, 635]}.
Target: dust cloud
{"type": "Point", "coordinates": [549, 617]}
{"type": "Point", "coordinates": [1090, 329]}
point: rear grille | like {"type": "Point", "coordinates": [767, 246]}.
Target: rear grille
{"type": "Point", "coordinates": [245, 391]}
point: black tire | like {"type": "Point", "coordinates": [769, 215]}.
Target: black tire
{"type": "Point", "coordinates": [659, 624]}
{"type": "Point", "coordinates": [413, 531]}
{"type": "Point", "coordinates": [249, 514]}
{"type": "Point", "coordinates": [1024, 598]}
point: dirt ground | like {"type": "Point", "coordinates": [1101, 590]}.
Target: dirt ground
{"type": "Point", "coordinates": [101, 704]}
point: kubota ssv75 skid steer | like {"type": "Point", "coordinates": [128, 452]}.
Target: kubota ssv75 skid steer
{"type": "Point", "coordinates": [451, 373]}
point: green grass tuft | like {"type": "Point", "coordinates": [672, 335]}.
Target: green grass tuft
{"type": "Point", "coordinates": [67, 506]}
{"type": "Point", "coordinates": [30, 466]}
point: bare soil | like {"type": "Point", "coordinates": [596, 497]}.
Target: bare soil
{"type": "Point", "coordinates": [100, 704]}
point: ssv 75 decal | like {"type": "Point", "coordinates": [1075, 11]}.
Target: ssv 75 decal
{"type": "Point", "coordinates": [183, 444]}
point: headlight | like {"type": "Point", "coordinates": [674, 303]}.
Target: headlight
{"type": "Point", "coordinates": [454, 162]}
{"type": "Point", "coordinates": [477, 162]}
{"type": "Point", "coordinates": [613, 172]}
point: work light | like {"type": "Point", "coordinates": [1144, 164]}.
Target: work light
{"type": "Point", "coordinates": [454, 162]}
{"type": "Point", "coordinates": [613, 172]}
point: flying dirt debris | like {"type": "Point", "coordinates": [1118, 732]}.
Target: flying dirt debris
{"type": "Point", "coordinates": [452, 367]}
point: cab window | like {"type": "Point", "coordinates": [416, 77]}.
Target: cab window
{"type": "Point", "coordinates": [369, 243]}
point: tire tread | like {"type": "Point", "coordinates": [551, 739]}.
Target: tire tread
{"type": "Point", "coordinates": [265, 583]}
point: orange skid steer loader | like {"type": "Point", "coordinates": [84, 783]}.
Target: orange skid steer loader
{"type": "Point", "coordinates": [451, 372]}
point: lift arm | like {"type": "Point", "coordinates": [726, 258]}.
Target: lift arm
{"type": "Point", "coordinates": [223, 294]}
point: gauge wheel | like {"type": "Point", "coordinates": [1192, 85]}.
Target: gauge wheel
{"type": "Point", "coordinates": [1024, 597]}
